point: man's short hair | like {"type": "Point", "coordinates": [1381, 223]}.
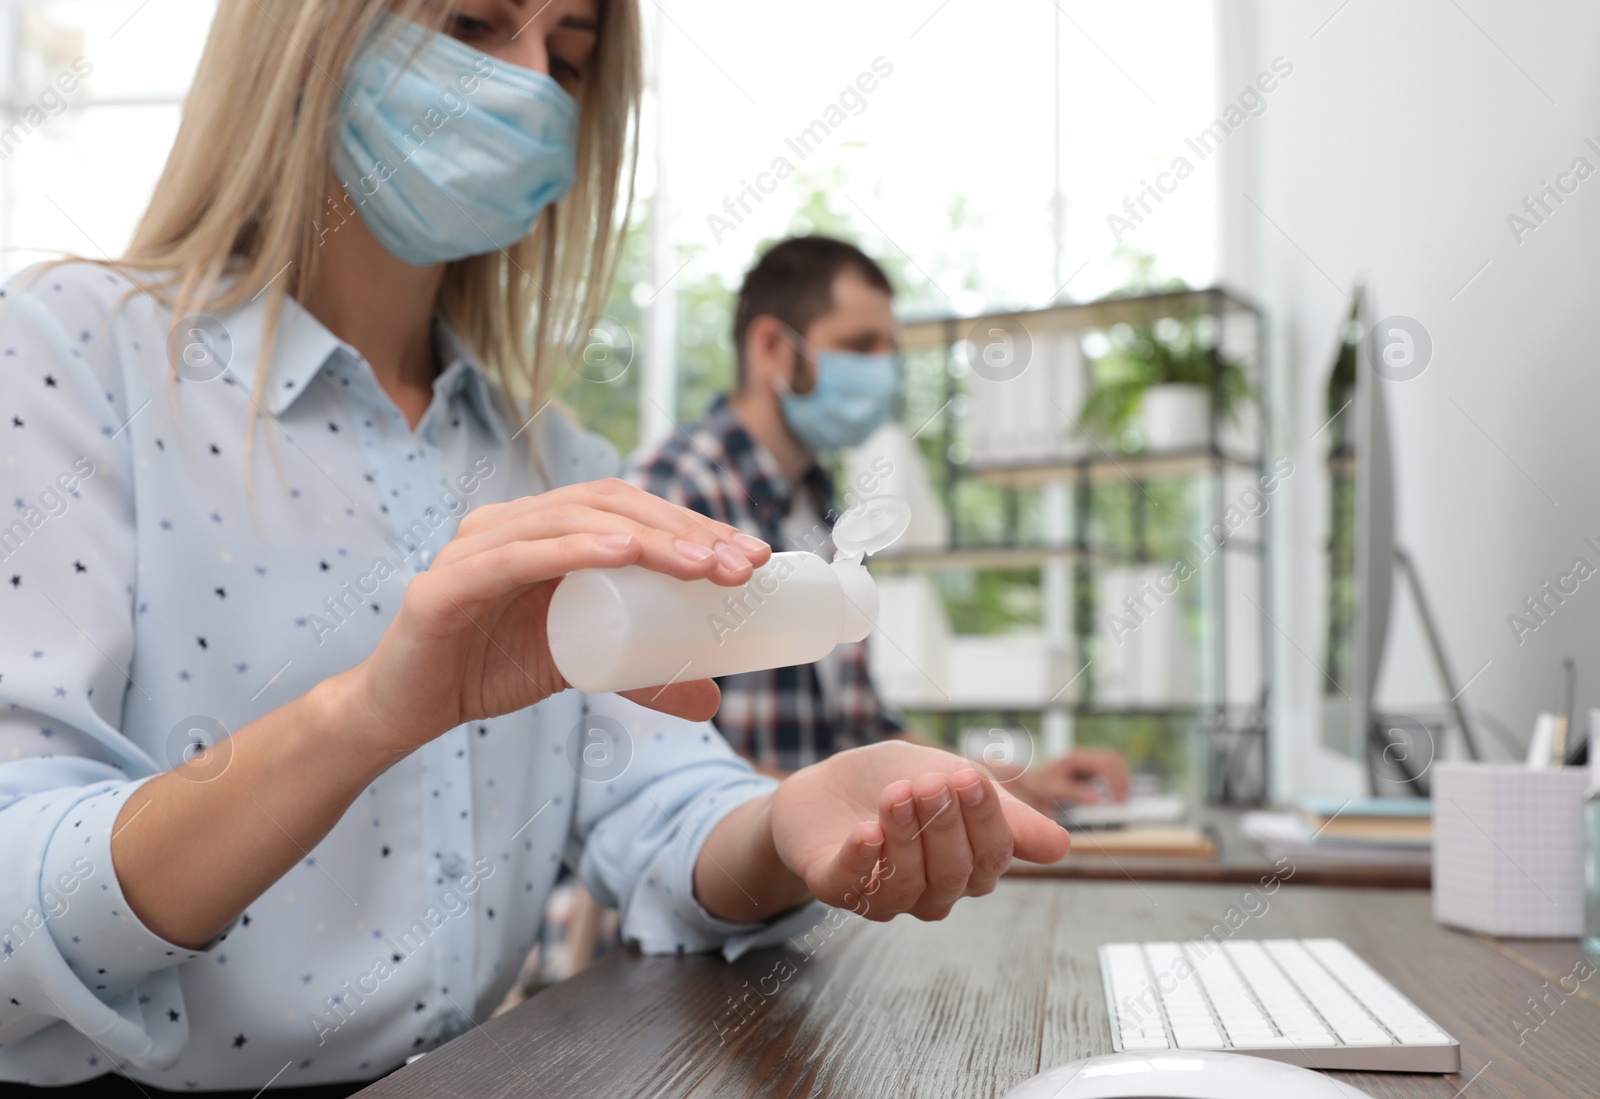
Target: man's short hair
{"type": "Point", "coordinates": [793, 281]}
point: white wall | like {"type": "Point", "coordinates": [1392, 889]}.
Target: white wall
{"type": "Point", "coordinates": [1394, 152]}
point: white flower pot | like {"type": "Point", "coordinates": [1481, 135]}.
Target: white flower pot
{"type": "Point", "coordinates": [1147, 656]}
{"type": "Point", "coordinates": [1175, 417]}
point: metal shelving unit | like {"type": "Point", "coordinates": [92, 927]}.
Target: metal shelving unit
{"type": "Point", "coordinates": [1233, 730]}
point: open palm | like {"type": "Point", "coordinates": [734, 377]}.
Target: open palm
{"type": "Point", "coordinates": [900, 827]}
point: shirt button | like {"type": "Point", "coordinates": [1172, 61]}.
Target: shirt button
{"type": "Point", "coordinates": [425, 557]}
{"type": "Point", "coordinates": [453, 864]}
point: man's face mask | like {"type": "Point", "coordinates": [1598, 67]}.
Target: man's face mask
{"type": "Point", "coordinates": [854, 393]}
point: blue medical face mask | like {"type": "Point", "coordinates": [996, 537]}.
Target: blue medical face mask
{"type": "Point", "coordinates": [446, 151]}
{"type": "Point", "coordinates": [853, 395]}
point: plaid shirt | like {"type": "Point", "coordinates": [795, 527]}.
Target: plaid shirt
{"type": "Point", "coordinates": [784, 717]}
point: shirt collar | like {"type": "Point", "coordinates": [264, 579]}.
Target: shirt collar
{"type": "Point", "coordinates": [462, 377]}
{"type": "Point", "coordinates": [757, 469]}
{"type": "Point", "coordinates": [304, 347]}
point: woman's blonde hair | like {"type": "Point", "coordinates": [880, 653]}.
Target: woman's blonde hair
{"type": "Point", "coordinates": [243, 198]}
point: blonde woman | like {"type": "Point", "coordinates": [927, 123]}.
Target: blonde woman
{"type": "Point", "coordinates": [286, 771]}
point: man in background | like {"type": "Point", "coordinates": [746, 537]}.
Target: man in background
{"type": "Point", "coordinates": [814, 336]}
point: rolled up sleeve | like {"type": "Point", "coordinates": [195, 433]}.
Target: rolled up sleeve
{"type": "Point", "coordinates": [643, 816]}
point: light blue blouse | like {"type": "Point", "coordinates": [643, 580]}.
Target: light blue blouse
{"type": "Point", "coordinates": [151, 601]}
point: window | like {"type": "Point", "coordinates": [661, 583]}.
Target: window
{"type": "Point", "coordinates": [926, 132]}
{"type": "Point", "coordinates": [93, 94]}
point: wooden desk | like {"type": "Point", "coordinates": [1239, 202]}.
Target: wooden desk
{"type": "Point", "coordinates": [978, 1003]}
{"type": "Point", "coordinates": [1238, 860]}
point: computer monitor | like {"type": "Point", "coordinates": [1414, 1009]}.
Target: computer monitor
{"type": "Point", "coordinates": [1394, 747]}
{"type": "Point", "coordinates": [1374, 531]}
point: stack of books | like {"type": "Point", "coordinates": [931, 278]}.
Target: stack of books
{"type": "Point", "coordinates": [1391, 831]}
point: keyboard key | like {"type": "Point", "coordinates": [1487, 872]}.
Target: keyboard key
{"type": "Point", "coordinates": [1140, 1045]}
{"type": "Point", "coordinates": [1198, 1037]}
{"type": "Point", "coordinates": [1238, 1021]}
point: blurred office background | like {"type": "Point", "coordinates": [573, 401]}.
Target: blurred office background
{"type": "Point", "coordinates": [1009, 158]}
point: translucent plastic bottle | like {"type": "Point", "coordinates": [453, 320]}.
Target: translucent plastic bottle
{"type": "Point", "coordinates": [618, 629]}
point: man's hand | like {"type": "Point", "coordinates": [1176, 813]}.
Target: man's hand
{"type": "Point", "coordinates": [1081, 777]}
{"type": "Point", "coordinates": [897, 827]}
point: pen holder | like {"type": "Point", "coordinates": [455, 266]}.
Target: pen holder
{"type": "Point", "coordinates": [1508, 849]}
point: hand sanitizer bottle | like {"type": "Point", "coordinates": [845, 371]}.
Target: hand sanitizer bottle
{"type": "Point", "coordinates": [1591, 843]}
{"type": "Point", "coordinates": [619, 629]}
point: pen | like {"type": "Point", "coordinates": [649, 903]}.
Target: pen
{"type": "Point", "coordinates": [1558, 743]}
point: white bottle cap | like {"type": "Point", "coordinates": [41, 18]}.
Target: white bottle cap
{"type": "Point", "coordinates": [871, 526]}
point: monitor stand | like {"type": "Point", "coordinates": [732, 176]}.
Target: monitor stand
{"type": "Point", "coordinates": [1379, 742]}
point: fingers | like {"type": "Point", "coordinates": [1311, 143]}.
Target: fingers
{"type": "Point", "coordinates": [1084, 776]}
{"type": "Point", "coordinates": [988, 832]}
{"type": "Point", "coordinates": [1078, 793]}
{"type": "Point", "coordinates": [1034, 836]}
{"type": "Point", "coordinates": [944, 837]}
{"type": "Point", "coordinates": [1003, 772]}
{"type": "Point", "coordinates": [676, 540]}
{"type": "Point", "coordinates": [494, 573]}
{"type": "Point", "coordinates": [1054, 785]}
{"type": "Point", "coordinates": [901, 883]}
{"type": "Point", "coordinates": [939, 837]}
{"type": "Point", "coordinates": [849, 880]}
{"type": "Point", "coordinates": [1105, 764]}
{"type": "Point", "coordinates": [946, 857]}
{"type": "Point", "coordinates": [1117, 775]}
{"type": "Point", "coordinates": [661, 550]}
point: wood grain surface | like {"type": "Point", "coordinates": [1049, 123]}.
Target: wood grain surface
{"type": "Point", "coordinates": [1127, 868]}
{"type": "Point", "coordinates": [1008, 985]}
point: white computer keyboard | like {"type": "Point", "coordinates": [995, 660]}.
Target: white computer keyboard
{"type": "Point", "coordinates": [1310, 1002]}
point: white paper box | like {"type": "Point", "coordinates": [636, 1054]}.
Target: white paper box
{"type": "Point", "coordinates": [1508, 848]}
{"type": "Point", "coordinates": [906, 651]}
{"type": "Point", "coordinates": [915, 660]}
{"type": "Point", "coordinates": [1146, 658]}
{"type": "Point", "coordinates": [888, 463]}
{"type": "Point", "coordinates": [1011, 671]}
{"type": "Point", "coordinates": [1029, 416]}
{"type": "Point", "coordinates": [1071, 389]}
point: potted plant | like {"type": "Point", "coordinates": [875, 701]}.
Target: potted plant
{"type": "Point", "coordinates": [1151, 382]}
{"type": "Point", "coordinates": [1152, 386]}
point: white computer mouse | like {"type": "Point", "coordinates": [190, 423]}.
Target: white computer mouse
{"type": "Point", "coordinates": [1181, 1074]}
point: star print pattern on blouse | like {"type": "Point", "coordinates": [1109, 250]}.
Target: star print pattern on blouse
{"type": "Point", "coordinates": [149, 595]}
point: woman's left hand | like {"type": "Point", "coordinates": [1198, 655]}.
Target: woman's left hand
{"type": "Point", "coordinates": [898, 827]}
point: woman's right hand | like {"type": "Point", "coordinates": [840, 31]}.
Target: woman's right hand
{"type": "Point", "coordinates": [469, 640]}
